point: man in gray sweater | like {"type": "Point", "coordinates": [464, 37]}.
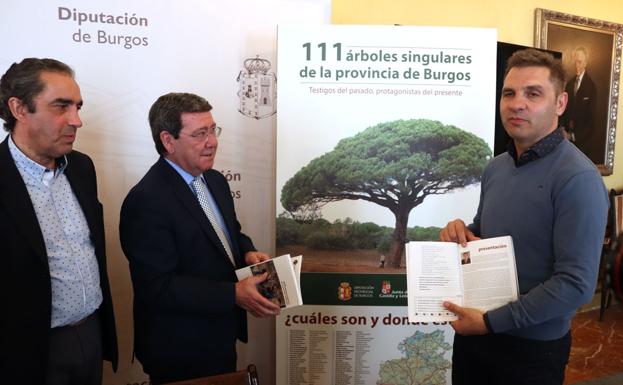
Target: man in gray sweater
{"type": "Point", "coordinates": [551, 199]}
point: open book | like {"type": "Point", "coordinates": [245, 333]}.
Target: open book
{"type": "Point", "coordinates": [482, 275]}
{"type": "Point", "coordinates": [283, 285]}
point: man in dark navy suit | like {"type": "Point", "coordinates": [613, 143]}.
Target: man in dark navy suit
{"type": "Point", "coordinates": [579, 117]}
{"type": "Point", "coordinates": [181, 236]}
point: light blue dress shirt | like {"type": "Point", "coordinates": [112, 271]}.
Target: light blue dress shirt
{"type": "Point", "coordinates": [76, 291]}
{"type": "Point", "coordinates": [188, 178]}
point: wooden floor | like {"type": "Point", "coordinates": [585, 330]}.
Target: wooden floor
{"type": "Point", "coordinates": [597, 347]}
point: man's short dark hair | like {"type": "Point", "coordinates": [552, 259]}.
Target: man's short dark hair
{"type": "Point", "coordinates": [23, 81]}
{"type": "Point", "coordinates": [535, 58]}
{"type": "Point", "coordinates": [166, 114]}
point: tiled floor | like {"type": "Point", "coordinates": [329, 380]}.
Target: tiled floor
{"type": "Point", "coordinates": [597, 347]}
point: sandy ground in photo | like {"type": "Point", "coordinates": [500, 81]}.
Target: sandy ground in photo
{"type": "Point", "coordinates": [349, 261]}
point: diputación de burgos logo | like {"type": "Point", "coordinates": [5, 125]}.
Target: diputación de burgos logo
{"type": "Point", "coordinates": [257, 89]}
{"type": "Point", "coordinates": [344, 291]}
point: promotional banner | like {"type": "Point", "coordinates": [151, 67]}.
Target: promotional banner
{"type": "Point", "coordinates": [128, 53]}
{"type": "Point", "coordinates": [383, 133]}
{"type": "Point", "coordinates": [361, 346]}
{"type": "Point", "coordinates": [354, 329]}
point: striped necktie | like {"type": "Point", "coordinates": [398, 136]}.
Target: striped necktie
{"type": "Point", "coordinates": [202, 195]}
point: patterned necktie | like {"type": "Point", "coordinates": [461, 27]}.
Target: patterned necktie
{"type": "Point", "coordinates": [577, 85]}
{"type": "Point", "coordinates": [202, 195]}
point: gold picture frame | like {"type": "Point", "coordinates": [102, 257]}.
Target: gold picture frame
{"type": "Point", "coordinates": [591, 48]}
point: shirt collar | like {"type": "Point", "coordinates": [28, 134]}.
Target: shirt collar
{"type": "Point", "coordinates": [32, 168]}
{"type": "Point", "coordinates": [581, 76]}
{"type": "Point", "coordinates": [188, 178]}
{"type": "Point", "coordinates": [537, 150]}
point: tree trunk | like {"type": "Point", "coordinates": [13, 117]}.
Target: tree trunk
{"type": "Point", "coordinates": [398, 239]}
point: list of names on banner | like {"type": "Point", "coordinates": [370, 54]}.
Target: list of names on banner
{"type": "Point", "coordinates": [318, 357]}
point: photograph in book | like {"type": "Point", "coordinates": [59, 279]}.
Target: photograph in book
{"type": "Point", "coordinates": [481, 275]}
{"type": "Point", "coordinates": [271, 287]}
{"type": "Point", "coordinates": [282, 285]}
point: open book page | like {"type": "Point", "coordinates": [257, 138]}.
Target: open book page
{"type": "Point", "coordinates": [282, 285]}
{"type": "Point", "coordinates": [482, 275]}
{"type": "Point", "coordinates": [433, 276]}
{"type": "Point", "coordinates": [489, 273]}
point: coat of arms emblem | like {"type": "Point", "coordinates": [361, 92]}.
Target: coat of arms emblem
{"type": "Point", "coordinates": [257, 89]}
{"type": "Point", "coordinates": [386, 287]}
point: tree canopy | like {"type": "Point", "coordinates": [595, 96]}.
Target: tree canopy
{"type": "Point", "coordinates": [393, 164]}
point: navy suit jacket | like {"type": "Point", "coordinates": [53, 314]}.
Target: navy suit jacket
{"type": "Point", "coordinates": [581, 111]}
{"type": "Point", "coordinates": [25, 288]}
{"type": "Point", "coordinates": [186, 321]}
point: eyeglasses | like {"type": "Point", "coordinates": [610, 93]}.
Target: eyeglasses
{"type": "Point", "coordinates": [203, 134]}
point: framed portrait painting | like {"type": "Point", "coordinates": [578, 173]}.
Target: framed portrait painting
{"type": "Point", "coordinates": [591, 57]}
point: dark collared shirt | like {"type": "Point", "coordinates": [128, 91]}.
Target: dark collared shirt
{"type": "Point", "coordinates": [538, 150]}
